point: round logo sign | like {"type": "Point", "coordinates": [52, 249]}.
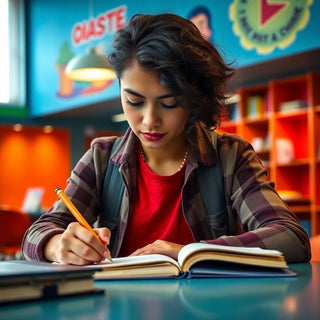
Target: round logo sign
{"type": "Point", "coordinates": [267, 24]}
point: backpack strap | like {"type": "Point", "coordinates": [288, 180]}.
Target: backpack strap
{"type": "Point", "coordinates": [210, 180]}
{"type": "Point", "coordinates": [112, 193]}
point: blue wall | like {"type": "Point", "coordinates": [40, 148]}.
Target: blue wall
{"type": "Point", "coordinates": [246, 32]}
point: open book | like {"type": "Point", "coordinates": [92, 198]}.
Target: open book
{"type": "Point", "coordinates": [31, 280]}
{"type": "Point", "coordinates": [199, 260]}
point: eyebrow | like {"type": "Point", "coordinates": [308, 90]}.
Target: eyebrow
{"type": "Point", "coordinates": [167, 95]}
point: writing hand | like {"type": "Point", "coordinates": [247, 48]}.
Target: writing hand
{"type": "Point", "coordinates": [76, 245]}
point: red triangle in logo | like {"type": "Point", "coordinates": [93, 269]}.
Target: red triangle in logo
{"type": "Point", "coordinates": [268, 10]}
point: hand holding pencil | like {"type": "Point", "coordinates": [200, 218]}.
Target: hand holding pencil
{"type": "Point", "coordinates": [64, 198]}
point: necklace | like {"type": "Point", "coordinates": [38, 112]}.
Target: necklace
{"type": "Point", "coordinates": [184, 160]}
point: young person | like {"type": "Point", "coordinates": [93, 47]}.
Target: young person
{"type": "Point", "coordinates": [173, 87]}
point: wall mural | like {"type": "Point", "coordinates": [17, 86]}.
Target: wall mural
{"type": "Point", "coordinates": [83, 32]}
{"type": "Point", "coordinates": [246, 32]}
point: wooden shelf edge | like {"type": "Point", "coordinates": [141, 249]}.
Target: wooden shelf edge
{"type": "Point", "coordinates": [300, 209]}
{"type": "Point", "coordinates": [258, 120]}
{"type": "Point", "coordinates": [228, 123]}
{"type": "Point", "coordinates": [294, 163]}
{"type": "Point", "coordinates": [291, 113]}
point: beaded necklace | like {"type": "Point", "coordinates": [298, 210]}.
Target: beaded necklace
{"type": "Point", "coordinates": [181, 165]}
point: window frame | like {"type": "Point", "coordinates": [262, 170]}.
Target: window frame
{"type": "Point", "coordinates": [17, 55]}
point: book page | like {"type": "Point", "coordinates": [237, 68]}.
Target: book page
{"type": "Point", "coordinates": [135, 261]}
{"type": "Point", "coordinates": [154, 265]}
{"type": "Point", "coordinates": [144, 271]}
{"type": "Point", "coordinates": [191, 248]}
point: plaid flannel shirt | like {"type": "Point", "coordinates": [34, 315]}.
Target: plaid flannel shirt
{"type": "Point", "coordinates": [255, 215]}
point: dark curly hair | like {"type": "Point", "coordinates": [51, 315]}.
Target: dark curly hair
{"type": "Point", "coordinates": [188, 65]}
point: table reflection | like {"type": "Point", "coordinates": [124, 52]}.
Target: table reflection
{"type": "Point", "coordinates": [262, 298]}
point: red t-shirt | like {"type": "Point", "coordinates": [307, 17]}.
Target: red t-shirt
{"type": "Point", "coordinates": [157, 212]}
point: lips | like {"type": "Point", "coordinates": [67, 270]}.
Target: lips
{"type": "Point", "coordinates": [153, 136]}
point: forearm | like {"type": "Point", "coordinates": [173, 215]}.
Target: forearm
{"type": "Point", "coordinates": [35, 240]}
{"type": "Point", "coordinates": [276, 237]}
{"type": "Point", "coordinates": [267, 222]}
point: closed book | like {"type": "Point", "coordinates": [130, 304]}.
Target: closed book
{"type": "Point", "coordinates": [28, 280]}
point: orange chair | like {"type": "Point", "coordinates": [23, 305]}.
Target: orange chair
{"type": "Point", "coordinates": [13, 225]}
{"type": "Point", "coordinates": [315, 248]}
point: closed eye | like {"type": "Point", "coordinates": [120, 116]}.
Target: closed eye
{"type": "Point", "coordinates": [134, 104]}
{"type": "Point", "coordinates": [172, 106]}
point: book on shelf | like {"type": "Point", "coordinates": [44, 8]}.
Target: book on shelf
{"type": "Point", "coordinates": [255, 107]}
{"type": "Point", "coordinates": [198, 260]}
{"type": "Point", "coordinates": [232, 108]}
{"type": "Point", "coordinates": [285, 151]}
{"type": "Point", "coordinates": [233, 112]}
{"type": "Point", "coordinates": [29, 280]}
{"type": "Point", "coordinates": [293, 105]}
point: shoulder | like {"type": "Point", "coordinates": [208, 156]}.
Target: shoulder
{"type": "Point", "coordinates": [228, 142]}
{"type": "Point", "coordinates": [237, 154]}
{"type": "Point", "coordinates": [233, 151]}
{"type": "Point", "coordinates": [230, 139]}
{"type": "Point", "coordinates": [206, 137]}
{"type": "Point", "coordinates": [98, 152]}
{"type": "Point", "coordinates": [211, 145]}
{"type": "Point", "coordinates": [103, 143]}
{"type": "Point", "coordinates": [95, 159]}
{"type": "Point", "coordinates": [124, 147]}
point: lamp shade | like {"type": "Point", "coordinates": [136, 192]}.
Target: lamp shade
{"type": "Point", "coordinates": [89, 67]}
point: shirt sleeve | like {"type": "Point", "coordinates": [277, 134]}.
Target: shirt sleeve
{"type": "Point", "coordinates": [83, 189]}
{"type": "Point", "coordinates": [265, 220]}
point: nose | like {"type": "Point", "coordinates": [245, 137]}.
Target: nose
{"type": "Point", "coordinates": [151, 116]}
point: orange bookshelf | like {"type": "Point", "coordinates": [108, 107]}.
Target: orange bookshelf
{"type": "Point", "coordinates": [281, 119]}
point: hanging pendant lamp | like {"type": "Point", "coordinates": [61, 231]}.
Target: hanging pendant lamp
{"type": "Point", "coordinates": [89, 67]}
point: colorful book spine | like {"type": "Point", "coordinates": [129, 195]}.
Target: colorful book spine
{"type": "Point", "coordinates": [255, 107]}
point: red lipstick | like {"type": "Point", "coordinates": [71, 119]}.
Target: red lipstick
{"type": "Point", "coordinates": [153, 136]}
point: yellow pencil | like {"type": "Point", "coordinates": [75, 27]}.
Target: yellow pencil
{"type": "Point", "coordinates": [77, 214]}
